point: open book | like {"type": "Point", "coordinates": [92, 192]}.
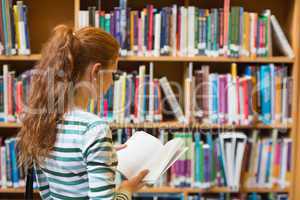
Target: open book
{"type": "Point", "coordinates": [145, 151]}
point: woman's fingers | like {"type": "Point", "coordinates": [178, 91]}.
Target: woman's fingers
{"type": "Point", "coordinates": [120, 147]}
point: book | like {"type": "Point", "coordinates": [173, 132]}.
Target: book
{"type": "Point", "coordinates": [281, 38]}
{"type": "Point", "coordinates": [14, 31]}
{"type": "Point", "coordinates": [131, 160]}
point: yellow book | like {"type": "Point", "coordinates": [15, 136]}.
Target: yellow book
{"type": "Point", "coordinates": [16, 19]}
{"type": "Point", "coordinates": [234, 71]}
{"type": "Point", "coordinates": [246, 33]}
{"type": "Point", "coordinates": [131, 29]}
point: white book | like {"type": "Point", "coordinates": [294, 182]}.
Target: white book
{"type": "Point", "coordinates": [141, 91]}
{"type": "Point", "coordinates": [232, 148]}
{"type": "Point", "coordinates": [240, 149]}
{"type": "Point", "coordinates": [263, 164]}
{"type": "Point", "coordinates": [83, 18]}
{"type": "Point", "coordinates": [142, 34]}
{"type": "Point", "coordinates": [281, 38]}
{"type": "Point", "coordinates": [241, 100]}
{"type": "Point", "coordinates": [187, 99]}
{"type": "Point", "coordinates": [97, 23]}
{"type": "Point", "coordinates": [115, 101]}
{"type": "Point", "coordinates": [232, 102]}
{"type": "Point", "coordinates": [157, 30]}
{"type": "Point", "coordinates": [3, 168]}
{"type": "Point", "coordinates": [165, 85]}
{"type": "Point", "coordinates": [183, 31]}
{"type": "Point", "coordinates": [151, 93]}
{"type": "Point", "coordinates": [191, 30]}
{"type": "Point", "coordinates": [145, 151]}
{"type": "Point", "coordinates": [283, 164]}
{"type": "Point", "coordinates": [174, 24]}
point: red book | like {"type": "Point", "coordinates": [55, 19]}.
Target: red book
{"type": "Point", "coordinates": [105, 108]}
{"type": "Point", "coordinates": [150, 33]}
{"type": "Point", "coordinates": [221, 28]}
{"type": "Point", "coordinates": [226, 21]}
{"type": "Point", "coordinates": [136, 97]}
{"type": "Point", "coordinates": [246, 99]}
{"type": "Point", "coordinates": [19, 103]}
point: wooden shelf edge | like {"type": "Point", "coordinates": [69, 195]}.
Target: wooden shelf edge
{"type": "Point", "coordinates": [32, 57]}
{"type": "Point", "coordinates": [176, 125]}
{"type": "Point", "coordinates": [275, 59]}
{"type": "Point", "coordinates": [179, 190]}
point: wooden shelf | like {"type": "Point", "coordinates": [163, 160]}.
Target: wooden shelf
{"type": "Point", "coordinates": [179, 190]}
{"type": "Point", "coordinates": [277, 59]}
{"type": "Point", "coordinates": [33, 57]}
{"type": "Point", "coordinates": [175, 125]}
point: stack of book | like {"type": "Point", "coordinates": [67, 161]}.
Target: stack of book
{"type": "Point", "coordinates": [158, 196]}
{"type": "Point", "coordinates": [268, 161]}
{"type": "Point", "coordinates": [134, 97]}
{"type": "Point", "coordinates": [14, 93]}
{"type": "Point", "coordinates": [262, 93]}
{"type": "Point", "coordinates": [14, 34]}
{"type": "Point", "coordinates": [188, 31]}
{"type": "Point", "coordinates": [12, 175]}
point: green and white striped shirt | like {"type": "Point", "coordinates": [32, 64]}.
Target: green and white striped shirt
{"type": "Point", "coordinates": [83, 162]}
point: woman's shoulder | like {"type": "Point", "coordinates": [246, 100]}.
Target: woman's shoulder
{"type": "Point", "coordinates": [83, 117]}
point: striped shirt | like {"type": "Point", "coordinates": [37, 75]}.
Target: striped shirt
{"type": "Point", "coordinates": [83, 162]}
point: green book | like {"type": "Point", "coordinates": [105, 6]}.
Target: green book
{"type": "Point", "coordinates": [107, 23]}
{"type": "Point", "coordinates": [201, 167]}
{"type": "Point", "coordinates": [102, 21]}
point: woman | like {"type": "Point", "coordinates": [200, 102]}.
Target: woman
{"type": "Point", "coordinates": [72, 149]}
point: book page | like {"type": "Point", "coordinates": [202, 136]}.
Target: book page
{"type": "Point", "coordinates": [164, 159]}
{"type": "Point", "coordinates": [141, 147]}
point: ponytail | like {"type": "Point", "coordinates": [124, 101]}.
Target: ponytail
{"type": "Point", "coordinates": [64, 60]}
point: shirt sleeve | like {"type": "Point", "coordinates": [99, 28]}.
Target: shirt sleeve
{"type": "Point", "coordinates": [101, 162]}
{"type": "Point", "coordinates": [43, 184]}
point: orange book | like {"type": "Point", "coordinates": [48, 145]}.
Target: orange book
{"type": "Point", "coordinates": [131, 29]}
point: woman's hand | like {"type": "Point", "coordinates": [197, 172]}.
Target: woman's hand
{"type": "Point", "coordinates": [134, 184]}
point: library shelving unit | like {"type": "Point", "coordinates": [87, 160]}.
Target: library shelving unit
{"type": "Point", "coordinates": [45, 15]}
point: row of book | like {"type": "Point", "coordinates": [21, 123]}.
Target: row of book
{"type": "Point", "coordinates": [261, 93]}
{"type": "Point", "coordinates": [12, 174]}
{"type": "Point", "coordinates": [188, 31]}
{"type": "Point", "coordinates": [14, 93]}
{"type": "Point", "coordinates": [227, 159]}
{"type": "Point", "coordinates": [14, 34]}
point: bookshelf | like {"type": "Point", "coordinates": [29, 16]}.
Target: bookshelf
{"type": "Point", "coordinates": [43, 20]}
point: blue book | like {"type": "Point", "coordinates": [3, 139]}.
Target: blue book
{"type": "Point", "coordinates": [25, 11]}
{"type": "Point", "coordinates": [215, 91]}
{"type": "Point", "coordinates": [8, 163]}
{"type": "Point", "coordinates": [221, 161]}
{"type": "Point", "coordinates": [265, 94]}
{"type": "Point", "coordinates": [248, 71]}
{"type": "Point", "coordinates": [14, 163]}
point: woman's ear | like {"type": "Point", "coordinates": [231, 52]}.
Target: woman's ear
{"type": "Point", "coordinates": [95, 70]}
